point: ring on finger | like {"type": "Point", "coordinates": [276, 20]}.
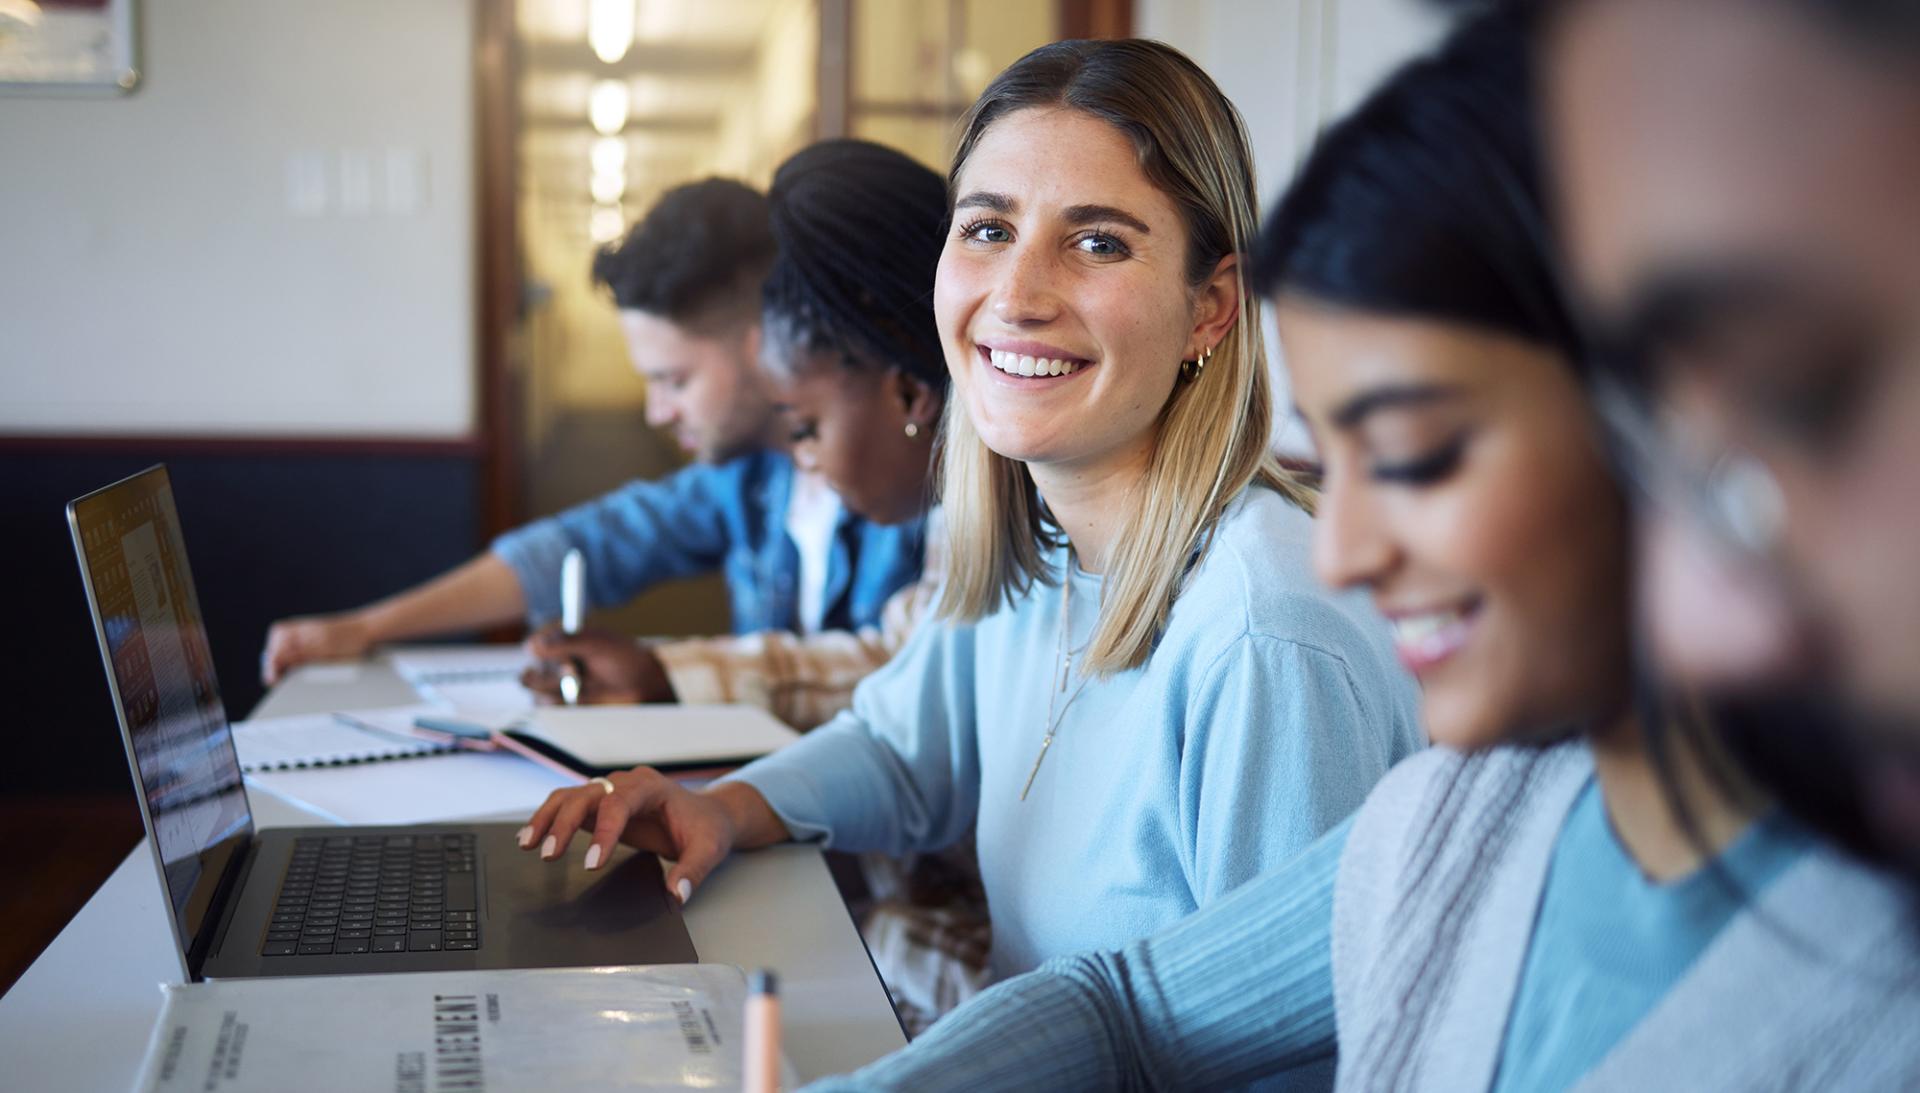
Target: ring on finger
{"type": "Point", "coordinates": [603, 783]}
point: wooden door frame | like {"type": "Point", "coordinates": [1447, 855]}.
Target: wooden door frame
{"type": "Point", "coordinates": [1095, 18]}
{"type": "Point", "coordinates": [497, 287]}
{"type": "Point", "coordinates": [834, 85]}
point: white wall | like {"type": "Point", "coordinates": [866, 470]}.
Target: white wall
{"type": "Point", "coordinates": [193, 259]}
{"type": "Point", "coordinates": [1292, 67]}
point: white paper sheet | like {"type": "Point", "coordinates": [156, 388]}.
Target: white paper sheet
{"type": "Point", "coordinates": [427, 665]}
{"type": "Point", "coordinates": [439, 788]}
{"type": "Point", "coordinates": [472, 679]}
{"type": "Point", "coordinates": [492, 697]}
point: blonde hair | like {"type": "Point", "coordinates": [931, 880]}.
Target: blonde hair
{"type": "Point", "coordinates": [1213, 433]}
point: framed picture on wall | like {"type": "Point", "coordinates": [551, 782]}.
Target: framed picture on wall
{"type": "Point", "coordinates": [67, 47]}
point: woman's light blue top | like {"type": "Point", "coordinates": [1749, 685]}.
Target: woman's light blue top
{"type": "Point", "coordinates": [1611, 942]}
{"type": "Point", "coordinates": [1245, 989]}
{"type": "Point", "coordinates": [1266, 712]}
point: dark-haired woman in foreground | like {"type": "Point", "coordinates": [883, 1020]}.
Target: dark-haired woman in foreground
{"type": "Point", "coordinates": [1521, 908]}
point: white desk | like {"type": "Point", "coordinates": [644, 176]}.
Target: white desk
{"type": "Point", "coordinates": [79, 1018]}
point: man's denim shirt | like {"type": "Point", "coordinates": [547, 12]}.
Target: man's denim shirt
{"type": "Point", "coordinates": [730, 517]}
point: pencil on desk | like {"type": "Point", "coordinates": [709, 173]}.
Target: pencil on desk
{"type": "Point", "coordinates": [761, 1067]}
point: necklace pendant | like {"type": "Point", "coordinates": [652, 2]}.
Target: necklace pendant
{"type": "Point", "coordinates": [1037, 760]}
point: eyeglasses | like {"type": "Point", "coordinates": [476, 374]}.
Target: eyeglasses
{"type": "Point", "coordinates": [1724, 490]}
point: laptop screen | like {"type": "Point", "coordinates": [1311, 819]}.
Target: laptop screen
{"type": "Point", "coordinates": [160, 667]}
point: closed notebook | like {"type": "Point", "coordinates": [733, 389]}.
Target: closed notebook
{"type": "Point", "coordinates": [602, 739]}
{"type": "Point", "coordinates": [665, 1027]}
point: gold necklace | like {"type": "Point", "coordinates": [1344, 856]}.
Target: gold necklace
{"type": "Point", "coordinates": [1063, 659]}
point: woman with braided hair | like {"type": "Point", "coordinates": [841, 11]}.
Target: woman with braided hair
{"type": "Point", "coordinates": [852, 357]}
{"type": "Point", "coordinates": [1134, 694]}
{"type": "Point", "coordinates": [849, 354]}
{"type": "Point", "coordinates": [847, 330]}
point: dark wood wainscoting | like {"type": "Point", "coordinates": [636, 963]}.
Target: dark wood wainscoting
{"type": "Point", "coordinates": [272, 529]}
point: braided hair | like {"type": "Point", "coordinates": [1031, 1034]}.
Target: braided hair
{"type": "Point", "coordinates": [859, 228]}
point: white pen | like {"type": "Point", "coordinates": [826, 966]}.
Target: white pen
{"type": "Point", "coordinates": [573, 596]}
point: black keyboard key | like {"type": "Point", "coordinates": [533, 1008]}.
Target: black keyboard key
{"type": "Point", "coordinates": [279, 948]}
{"type": "Point", "coordinates": [456, 946]}
{"type": "Point", "coordinates": [358, 945]}
{"type": "Point", "coordinates": [423, 941]}
{"type": "Point", "coordinates": [283, 935]}
{"type": "Point", "coordinates": [399, 931]}
{"type": "Point", "coordinates": [315, 948]}
{"type": "Point", "coordinates": [355, 934]}
{"type": "Point", "coordinates": [390, 944]}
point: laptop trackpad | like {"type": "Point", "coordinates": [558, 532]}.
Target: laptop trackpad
{"type": "Point", "coordinates": [557, 914]}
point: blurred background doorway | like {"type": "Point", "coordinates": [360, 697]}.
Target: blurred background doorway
{"type": "Point", "coordinates": [616, 101]}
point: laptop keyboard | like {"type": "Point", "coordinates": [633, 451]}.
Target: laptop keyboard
{"type": "Point", "coordinates": [376, 894]}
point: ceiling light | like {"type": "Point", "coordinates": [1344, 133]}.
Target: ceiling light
{"type": "Point", "coordinates": [607, 188]}
{"type": "Point", "coordinates": [609, 156]}
{"type": "Point", "coordinates": [610, 28]}
{"type": "Point", "coordinates": [607, 107]}
{"type": "Point", "coordinates": [605, 223]}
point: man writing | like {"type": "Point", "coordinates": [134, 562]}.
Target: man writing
{"type": "Point", "coordinates": [687, 281]}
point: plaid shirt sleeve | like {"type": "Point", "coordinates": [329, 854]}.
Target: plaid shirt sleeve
{"type": "Point", "coordinates": [804, 681]}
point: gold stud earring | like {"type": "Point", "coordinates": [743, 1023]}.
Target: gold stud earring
{"type": "Point", "coordinates": [913, 430]}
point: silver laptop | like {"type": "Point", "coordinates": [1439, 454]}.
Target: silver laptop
{"type": "Point", "coordinates": [325, 900]}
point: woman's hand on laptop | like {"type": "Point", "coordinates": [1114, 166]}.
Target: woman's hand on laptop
{"type": "Point", "coordinates": [646, 809]}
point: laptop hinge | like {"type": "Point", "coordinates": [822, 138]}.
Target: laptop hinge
{"type": "Point", "coordinates": [225, 906]}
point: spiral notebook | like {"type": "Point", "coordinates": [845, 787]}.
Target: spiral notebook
{"type": "Point", "coordinates": [331, 740]}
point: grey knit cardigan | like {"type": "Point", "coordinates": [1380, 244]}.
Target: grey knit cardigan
{"type": "Point", "coordinates": [1816, 986]}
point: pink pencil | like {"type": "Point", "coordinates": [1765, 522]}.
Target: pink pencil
{"type": "Point", "coordinates": [762, 1047]}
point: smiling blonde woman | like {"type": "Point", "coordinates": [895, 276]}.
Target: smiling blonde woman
{"type": "Point", "coordinates": [1137, 697]}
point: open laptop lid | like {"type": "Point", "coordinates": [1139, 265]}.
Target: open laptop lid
{"type": "Point", "coordinates": [133, 562]}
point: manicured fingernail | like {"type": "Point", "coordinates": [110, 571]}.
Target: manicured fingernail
{"type": "Point", "coordinates": [524, 837]}
{"type": "Point", "coordinates": [685, 890]}
{"type": "Point", "coordinates": [549, 848]}
{"type": "Point", "coordinates": [593, 857]}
